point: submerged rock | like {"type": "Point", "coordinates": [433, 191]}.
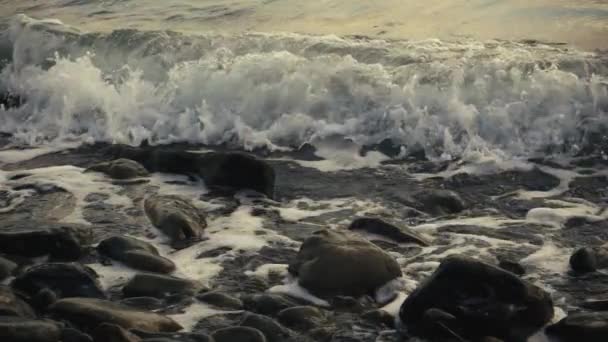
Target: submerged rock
{"type": "Point", "coordinates": [379, 227]}
{"type": "Point", "coordinates": [120, 169]}
{"type": "Point", "coordinates": [272, 330]}
{"type": "Point", "coordinates": [113, 333]}
{"type": "Point", "coordinates": [135, 253]}
{"type": "Point", "coordinates": [89, 313]}
{"type": "Point", "coordinates": [301, 317]}
{"type": "Point", "coordinates": [34, 239]}
{"type": "Point", "coordinates": [16, 329]}
{"type": "Point", "coordinates": [159, 286]}
{"type": "Point", "coordinates": [333, 263]}
{"type": "Point", "coordinates": [63, 279]}
{"type": "Point", "coordinates": [7, 267]}
{"type": "Point", "coordinates": [439, 202]}
{"type": "Point", "coordinates": [483, 300]}
{"type": "Point", "coordinates": [267, 303]}
{"type": "Point", "coordinates": [176, 217]}
{"type": "Point", "coordinates": [226, 169]}
{"type": "Point", "coordinates": [588, 327]}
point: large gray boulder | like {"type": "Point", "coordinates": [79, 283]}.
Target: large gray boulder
{"type": "Point", "coordinates": [89, 313]}
{"type": "Point", "coordinates": [334, 263]}
{"type": "Point", "coordinates": [474, 300]}
{"type": "Point", "coordinates": [135, 253]}
{"type": "Point", "coordinates": [176, 217]}
{"type": "Point", "coordinates": [17, 329]}
{"type": "Point", "coordinates": [120, 169]}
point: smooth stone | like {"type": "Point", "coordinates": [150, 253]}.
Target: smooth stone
{"type": "Point", "coordinates": [120, 169]}
{"type": "Point", "coordinates": [267, 303]}
{"type": "Point", "coordinates": [64, 279]}
{"type": "Point", "coordinates": [35, 239]}
{"type": "Point", "coordinates": [221, 300]}
{"type": "Point", "coordinates": [136, 254]}
{"type": "Point", "coordinates": [143, 303]}
{"type": "Point", "coordinates": [272, 330]}
{"type": "Point", "coordinates": [301, 317]}
{"type": "Point", "coordinates": [583, 260]}
{"type": "Point", "coordinates": [587, 327]}
{"type": "Point", "coordinates": [380, 227]}
{"type": "Point", "coordinates": [159, 286]}
{"type": "Point", "coordinates": [145, 261]}
{"type": "Point", "coordinates": [238, 334]}
{"type": "Point", "coordinates": [175, 216]}
{"type": "Point", "coordinates": [106, 332]}
{"type": "Point", "coordinates": [16, 329]}
{"type": "Point", "coordinates": [89, 313]}
{"type": "Point", "coordinates": [439, 202]}
{"type": "Point", "coordinates": [12, 305]}
{"type": "Point", "coordinates": [333, 263]}
{"type": "Point", "coordinates": [513, 267]}
{"type": "Point", "coordinates": [485, 301]}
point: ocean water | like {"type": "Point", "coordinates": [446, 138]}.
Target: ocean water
{"type": "Point", "coordinates": [455, 79]}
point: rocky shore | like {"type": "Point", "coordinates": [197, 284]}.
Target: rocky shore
{"type": "Point", "coordinates": [112, 243]}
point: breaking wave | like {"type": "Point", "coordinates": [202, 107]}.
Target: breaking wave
{"type": "Point", "coordinates": [279, 91]}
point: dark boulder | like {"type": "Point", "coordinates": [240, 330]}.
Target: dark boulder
{"type": "Point", "coordinates": [221, 300]}
{"type": "Point", "coordinates": [588, 327]}
{"type": "Point", "coordinates": [380, 227]}
{"type": "Point", "coordinates": [12, 305]}
{"type": "Point", "coordinates": [107, 332]}
{"type": "Point", "coordinates": [589, 259]}
{"type": "Point", "coordinates": [240, 334]}
{"type": "Point", "coordinates": [379, 317]}
{"type": "Point", "coordinates": [135, 253]}
{"type": "Point", "coordinates": [272, 330]}
{"type": "Point", "coordinates": [16, 329]}
{"type": "Point", "coordinates": [34, 239]}
{"type": "Point", "coordinates": [267, 303]}
{"type": "Point", "coordinates": [89, 313]}
{"type": "Point", "coordinates": [159, 286]}
{"type": "Point", "coordinates": [438, 202]}
{"type": "Point", "coordinates": [225, 169]}
{"type": "Point", "coordinates": [120, 169]}
{"type": "Point", "coordinates": [143, 303]}
{"type": "Point", "coordinates": [512, 266]}
{"type": "Point", "coordinates": [333, 263]}
{"type": "Point", "coordinates": [302, 317]}
{"type": "Point", "coordinates": [74, 335]}
{"type": "Point", "coordinates": [484, 301]}
{"type": "Point", "coordinates": [7, 267]}
{"type": "Point", "coordinates": [176, 217]}
{"type": "Point", "coordinates": [63, 279]}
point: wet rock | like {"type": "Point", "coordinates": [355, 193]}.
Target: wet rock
{"type": "Point", "coordinates": [11, 305]}
{"type": "Point", "coordinates": [135, 253]}
{"type": "Point", "coordinates": [267, 303]}
{"type": "Point", "coordinates": [379, 317]}
{"type": "Point", "coordinates": [120, 169]}
{"type": "Point", "coordinates": [485, 301]}
{"type": "Point", "coordinates": [233, 170]}
{"type": "Point", "coordinates": [221, 300]}
{"type": "Point", "coordinates": [273, 331]}
{"type": "Point", "coordinates": [588, 327]}
{"type": "Point", "coordinates": [301, 317]}
{"type": "Point", "coordinates": [438, 202]}
{"type": "Point", "coordinates": [106, 332]}
{"type": "Point", "coordinates": [512, 266]}
{"type": "Point", "coordinates": [15, 329]}
{"type": "Point", "coordinates": [387, 147]}
{"type": "Point", "coordinates": [176, 217]}
{"type": "Point", "coordinates": [64, 279]}
{"type": "Point", "coordinates": [89, 313]}
{"type": "Point", "coordinates": [159, 286]}
{"type": "Point", "coordinates": [74, 335]}
{"type": "Point", "coordinates": [43, 299]}
{"type": "Point", "coordinates": [589, 259]}
{"type": "Point", "coordinates": [333, 263]}
{"type": "Point", "coordinates": [595, 305]}
{"type": "Point", "coordinates": [143, 303]}
{"type": "Point", "coordinates": [379, 227]}
{"type": "Point", "coordinates": [34, 239]}
{"type": "Point", "coordinates": [172, 337]}
{"type": "Point", "coordinates": [240, 334]}
{"type": "Point", "coordinates": [7, 267]}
